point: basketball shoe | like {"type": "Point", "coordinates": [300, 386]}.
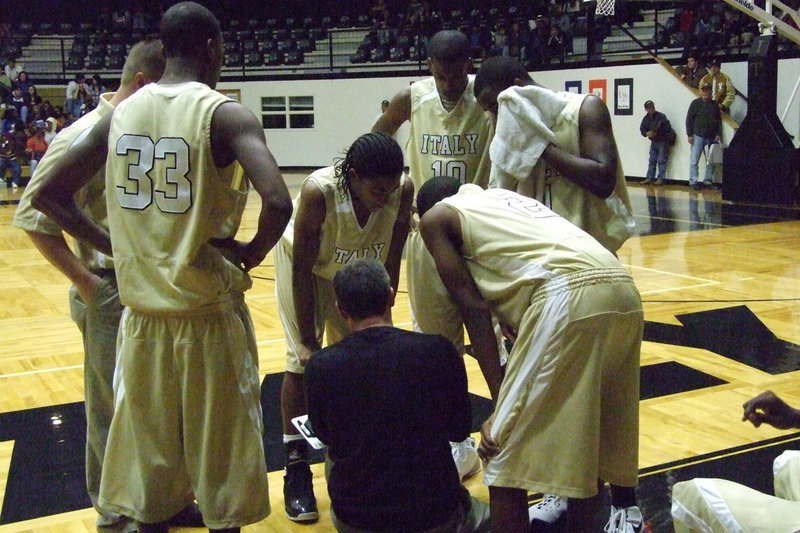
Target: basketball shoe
{"type": "Point", "coordinates": [624, 520]}
{"type": "Point", "coordinates": [465, 455]}
{"type": "Point", "coordinates": [549, 510]}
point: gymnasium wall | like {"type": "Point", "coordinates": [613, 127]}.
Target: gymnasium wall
{"type": "Point", "coordinates": [346, 108]}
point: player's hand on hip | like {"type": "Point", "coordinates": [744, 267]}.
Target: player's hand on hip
{"type": "Point", "coordinates": [304, 353]}
{"type": "Point", "coordinates": [87, 287]}
{"type": "Point", "coordinates": [488, 447]}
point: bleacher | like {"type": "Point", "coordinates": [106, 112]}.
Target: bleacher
{"type": "Point", "coordinates": [333, 43]}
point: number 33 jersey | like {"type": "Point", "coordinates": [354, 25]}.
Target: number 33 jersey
{"type": "Point", "coordinates": [166, 199]}
{"type": "Point", "coordinates": [443, 143]}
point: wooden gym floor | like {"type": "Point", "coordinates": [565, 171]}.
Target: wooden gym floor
{"type": "Point", "coordinates": [721, 289]}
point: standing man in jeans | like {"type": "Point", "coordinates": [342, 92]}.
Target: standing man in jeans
{"type": "Point", "coordinates": [656, 127]}
{"type": "Point", "coordinates": [704, 127]}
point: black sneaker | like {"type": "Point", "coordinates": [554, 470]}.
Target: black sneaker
{"type": "Point", "coordinates": [298, 495]}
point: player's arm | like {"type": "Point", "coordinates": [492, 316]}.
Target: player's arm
{"type": "Point", "coordinates": [54, 248]}
{"type": "Point", "coordinates": [441, 231]}
{"type": "Point", "coordinates": [400, 234]}
{"type": "Point", "coordinates": [398, 112]}
{"type": "Point", "coordinates": [307, 232]}
{"type": "Point", "coordinates": [237, 135]}
{"type": "Point", "coordinates": [56, 197]}
{"type": "Point", "coordinates": [595, 169]}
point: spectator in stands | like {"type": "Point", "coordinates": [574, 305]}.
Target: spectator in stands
{"type": "Point", "coordinates": [697, 38]}
{"type": "Point", "coordinates": [692, 72]}
{"type": "Point", "coordinates": [139, 22]}
{"type": "Point", "coordinates": [722, 89]}
{"type": "Point", "coordinates": [35, 99]}
{"type": "Point", "coordinates": [21, 102]}
{"type": "Point", "coordinates": [499, 41]}
{"type": "Point", "coordinates": [8, 160]}
{"type": "Point", "coordinates": [46, 110]}
{"type": "Point", "coordinates": [122, 19]}
{"type": "Point", "coordinates": [12, 70]}
{"type": "Point", "coordinates": [23, 82]}
{"type": "Point", "coordinates": [50, 130]}
{"type": "Point", "coordinates": [555, 44]}
{"type": "Point", "coordinates": [518, 42]}
{"type": "Point", "coordinates": [10, 117]}
{"type": "Point", "coordinates": [738, 29]}
{"type": "Point", "coordinates": [20, 136]}
{"type": "Point", "coordinates": [96, 88]}
{"type": "Point", "coordinates": [72, 105]}
{"type": "Point", "coordinates": [537, 54]}
{"type": "Point", "coordinates": [36, 147]}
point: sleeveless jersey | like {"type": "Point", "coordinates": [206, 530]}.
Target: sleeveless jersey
{"type": "Point", "coordinates": [342, 238]}
{"type": "Point", "coordinates": [607, 220]}
{"type": "Point", "coordinates": [452, 144]}
{"type": "Point", "coordinates": [91, 197]}
{"type": "Point", "coordinates": [166, 199]}
{"type": "Point", "coordinates": [513, 244]}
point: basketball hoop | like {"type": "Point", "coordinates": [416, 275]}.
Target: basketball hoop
{"type": "Point", "coordinates": [605, 7]}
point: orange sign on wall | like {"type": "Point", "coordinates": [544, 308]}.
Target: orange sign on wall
{"type": "Point", "coordinates": [598, 87]}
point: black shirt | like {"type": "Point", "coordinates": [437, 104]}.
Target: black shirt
{"type": "Point", "coordinates": [387, 402]}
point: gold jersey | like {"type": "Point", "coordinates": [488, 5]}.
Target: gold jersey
{"type": "Point", "coordinates": [608, 220]}
{"type": "Point", "coordinates": [166, 199]}
{"type": "Point", "coordinates": [342, 238]}
{"type": "Point", "coordinates": [443, 143]}
{"type": "Point", "coordinates": [513, 244]}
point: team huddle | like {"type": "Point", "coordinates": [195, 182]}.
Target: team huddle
{"type": "Point", "coordinates": [510, 215]}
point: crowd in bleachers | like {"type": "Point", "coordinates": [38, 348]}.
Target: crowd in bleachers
{"type": "Point", "coordinates": [535, 33]}
{"type": "Point", "coordinates": [287, 33]}
{"type": "Point", "coordinates": [30, 122]}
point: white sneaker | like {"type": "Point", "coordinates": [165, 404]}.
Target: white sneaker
{"type": "Point", "coordinates": [465, 455]}
{"type": "Point", "coordinates": [627, 520]}
{"type": "Point", "coordinates": [549, 509]}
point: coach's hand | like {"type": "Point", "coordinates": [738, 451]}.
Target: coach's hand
{"type": "Point", "coordinates": [488, 448]}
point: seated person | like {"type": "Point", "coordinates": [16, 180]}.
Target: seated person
{"type": "Point", "coordinates": [720, 506]}
{"type": "Point", "coordinates": [391, 441]}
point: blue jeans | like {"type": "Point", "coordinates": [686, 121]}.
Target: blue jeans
{"type": "Point", "coordinates": [16, 170]}
{"type": "Point", "coordinates": [659, 152]}
{"type": "Point", "coordinates": [694, 158]}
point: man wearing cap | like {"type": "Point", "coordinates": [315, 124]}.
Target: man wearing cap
{"type": "Point", "coordinates": [703, 126]}
{"type": "Point", "coordinates": [722, 90]}
{"type": "Point", "coordinates": [656, 127]}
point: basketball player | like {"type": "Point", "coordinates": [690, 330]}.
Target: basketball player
{"type": "Point", "coordinates": [573, 373]}
{"type": "Point", "coordinates": [449, 136]}
{"type": "Point", "coordinates": [187, 417]}
{"type": "Point", "coordinates": [450, 133]}
{"type": "Point", "coordinates": [576, 170]}
{"type": "Point", "coordinates": [94, 298]}
{"type": "Point", "coordinates": [359, 208]}
{"type": "Point", "coordinates": [720, 506]}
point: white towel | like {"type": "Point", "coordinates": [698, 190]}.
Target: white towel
{"type": "Point", "coordinates": [524, 118]}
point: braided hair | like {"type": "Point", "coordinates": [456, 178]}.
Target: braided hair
{"type": "Point", "coordinates": [372, 155]}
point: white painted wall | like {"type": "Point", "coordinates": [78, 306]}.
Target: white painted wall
{"type": "Point", "coordinates": [346, 108]}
